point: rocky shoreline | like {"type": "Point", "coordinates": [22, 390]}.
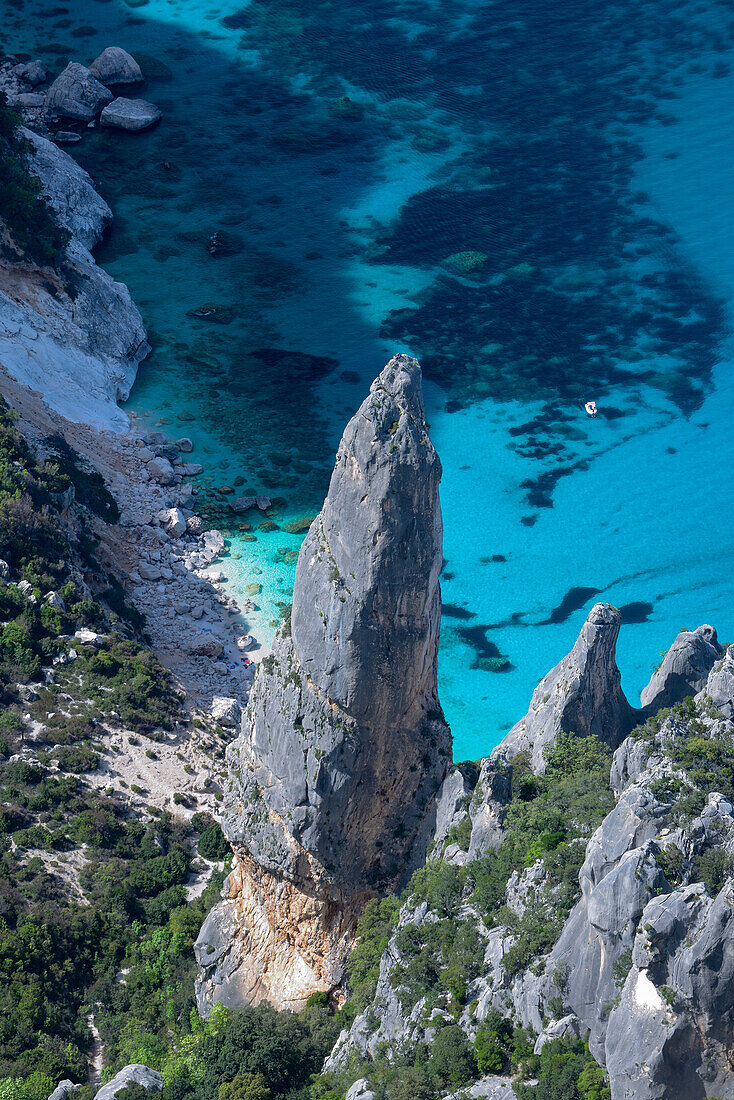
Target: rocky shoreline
{"type": "Point", "coordinates": [68, 352]}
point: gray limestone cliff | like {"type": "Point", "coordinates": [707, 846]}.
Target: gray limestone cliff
{"type": "Point", "coordinates": [581, 695]}
{"type": "Point", "coordinates": [344, 745]}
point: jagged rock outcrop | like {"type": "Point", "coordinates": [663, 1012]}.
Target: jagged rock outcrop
{"type": "Point", "coordinates": [719, 687]}
{"type": "Point", "coordinates": [683, 670]}
{"type": "Point", "coordinates": [64, 1090]}
{"type": "Point", "coordinates": [76, 337]}
{"type": "Point", "coordinates": [643, 966]}
{"type": "Point", "coordinates": [487, 810]}
{"type": "Point", "coordinates": [472, 804]}
{"type": "Point", "coordinates": [489, 1088]}
{"type": "Point", "coordinates": [672, 1035]}
{"type": "Point", "coordinates": [344, 745]}
{"type": "Point", "coordinates": [582, 694]}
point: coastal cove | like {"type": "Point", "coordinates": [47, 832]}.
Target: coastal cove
{"type": "Point", "coordinates": [539, 224]}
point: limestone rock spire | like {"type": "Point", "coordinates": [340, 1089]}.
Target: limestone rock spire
{"type": "Point", "coordinates": [344, 744]}
{"type": "Point", "coordinates": [582, 694]}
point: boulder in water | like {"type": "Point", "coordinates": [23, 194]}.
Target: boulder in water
{"type": "Point", "coordinates": [130, 114]}
{"type": "Point", "coordinates": [76, 93]}
{"type": "Point", "coordinates": [116, 66]}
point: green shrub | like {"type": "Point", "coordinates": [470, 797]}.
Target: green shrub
{"type": "Point", "coordinates": [564, 1070]}
{"type": "Point", "coordinates": [78, 759]}
{"type": "Point", "coordinates": [713, 867]}
{"type": "Point", "coordinates": [213, 843]}
{"type": "Point", "coordinates": [32, 223]}
{"type": "Point", "coordinates": [452, 1063]}
{"type": "Point", "coordinates": [374, 929]}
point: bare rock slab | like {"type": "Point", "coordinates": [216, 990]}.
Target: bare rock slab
{"type": "Point", "coordinates": [130, 114]}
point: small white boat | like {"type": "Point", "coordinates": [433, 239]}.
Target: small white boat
{"type": "Point", "coordinates": [590, 407]}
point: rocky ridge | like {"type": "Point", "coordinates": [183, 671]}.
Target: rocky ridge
{"type": "Point", "coordinates": [344, 743]}
{"type": "Point", "coordinates": [643, 963]}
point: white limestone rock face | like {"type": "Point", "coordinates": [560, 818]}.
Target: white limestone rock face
{"type": "Point", "coordinates": [64, 1090]}
{"type": "Point", "coordinates": [581, 695]}
{"type": "Point", "coordinates": [360, 1090]}
{"type": "Point", "coordinates": [69, 190]}
{"type": "Point", "coordinates": [489, 1088]}
{"type": "Point", "coordinates": [77, 340]}
{"type": "Point", "coordinates": [671, 1035]}
{"type": "Point", "coordinates": [135, 1074]}
{"type": "Point", "coordinates": [719, 688]}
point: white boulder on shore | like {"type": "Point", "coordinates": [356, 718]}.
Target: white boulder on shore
{"type": "Point", "coordinates": [130, 114]}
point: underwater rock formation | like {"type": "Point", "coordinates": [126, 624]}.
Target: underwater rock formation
{"type": "Point", "coordinates": [581, 695]}
{"type": "Point", "coordinates": [344, 745]}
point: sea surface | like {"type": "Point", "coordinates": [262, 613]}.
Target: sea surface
{"type": "Point", "coordinates": [536, 199]}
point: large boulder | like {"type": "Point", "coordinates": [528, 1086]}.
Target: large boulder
{"type": "Point", "coordinates": [683, 670]}
{"type": "Point", "coordinates": [130, 114]}
{"type": "Point", "coordinates": [360, 1090]}
{"type": "Point", "coordinates": [173, 520]}
{"type": "Point", "coordinates": [344, 745]}
{"type": "Point", "coordinates": [33, 73]}
{"type": "Point", "coordinates": [582, 695]}
{"type": "Point", "coordinates": [135, 1074]}
{"type": "Point", "coordinates": [116, 66]}
{"type": "Point", "coordinates": [76, 93]}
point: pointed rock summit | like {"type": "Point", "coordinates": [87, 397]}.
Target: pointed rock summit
{"type": "Point", "coordinates": [684, 669]}
{"type": "Point", "coordinates": [582, 694]}
{"type": "Point", "coordinates": [344, 744]}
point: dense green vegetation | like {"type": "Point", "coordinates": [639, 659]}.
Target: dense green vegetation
{"type": "Point", "coordinates": [549, 819]}
{"type": "Point", "coordinates": [83, 885]}
{"type": "Point", "coordinates": [32, 225]}
{"type": "Point", "coordinates": [705, 761]}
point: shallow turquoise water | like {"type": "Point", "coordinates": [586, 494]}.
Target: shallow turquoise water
{"type": "Point", "coordinates": [573, 168]}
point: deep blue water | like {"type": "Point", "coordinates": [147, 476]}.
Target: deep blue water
{"type": "Point", "coordinates": [536, 199]}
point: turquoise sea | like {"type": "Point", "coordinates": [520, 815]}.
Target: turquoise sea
{"type": "Point", "coordinates": [536, 199]}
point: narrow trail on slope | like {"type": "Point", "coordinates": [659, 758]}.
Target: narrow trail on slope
{"type": "Point", "coordinates": [95, 1055]}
